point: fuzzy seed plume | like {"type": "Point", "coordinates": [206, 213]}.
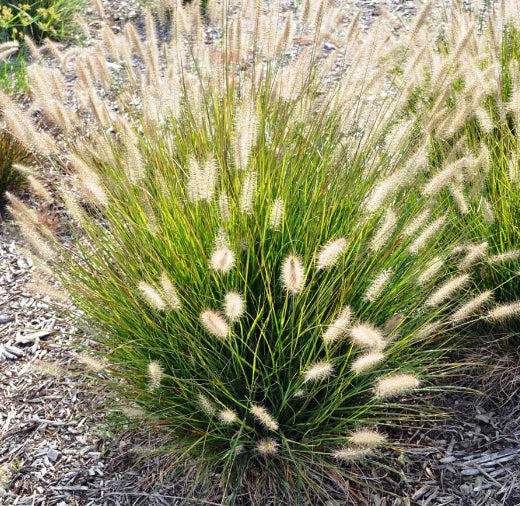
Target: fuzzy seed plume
{"type": "Point", "coordinates": [318, 371]}
{"type": "Point", "coordinates": [222, 259]}
{"type": "Point", "coordinates": [155, 374]}
{"type": "Point", "coordinates": [293, 274]}
{"type": "Point", "coordinates": [385, 231]}
{"type": "Point", "coordinates": [234, 306]}
{"type": "Point", "coordinates": [152, 296]}
{"type": "Point", "coordinates": [133, 411]}
{"type": "Point", "coordinates": [92, 363]}
{"type": "Point", "coordinates": [429, 329]}
{"type": "Point", "coordinates": [267, 447]}
{"type": "Point", "coordinates": [206, 405]}
{"type": "Point", "coordinates": [277, 214]}
{"type": "Point", "coordinates": [422, 239]}
{"type": "Point", "coordinates": [505, 311]}
{"type": "Point", "coordinates": [396, 384]}
{"type": "Point", "coordinates": [227, 416]}
{"type": "Point", "coordinates": [474, 253]}
{"type": "Point", "coordinates": [445, 176]}
{"type": "Point", "coordinates": [487, 211]}
{"type": "Point", "coordinates": [470, 307]}
{"type": "Point", "coordinates": [367, 362]}
{"type": "Point", "coordinates": [431, 271]}
{"type": "Point", "coordinates": [417, 222]}
{"type": "Point", "coordinates": [352, 454]}
{"type": "Point", "coordinates": [367, 438]}
{"type": "Point", "coordinates": [445, 291]}
{"type": "Point", "coordinates": [170, 292]}
{"type": "Point", "coordinates": [506, 256]}
{"type": "Point", "coordinates": [330, 253]}
{"type": "Point", "coordinates": [459, 198]}
{"type": "Point", "coordinates": [378, 285]}
{"type": "Point", "coordinates": [367, 336]}
{"type": "Point", "coordinates": [202, 179]}
{"type": "Point", "coordinates": [264, 417]}
{"type": "Point", "coordinates": [247, 196]}
{"type": "Point", "coordinates": [224, 207]}
{"type": "Point", "coordinates": [215, 324]}
{"type": "Point", "coordinates": [338, 328]}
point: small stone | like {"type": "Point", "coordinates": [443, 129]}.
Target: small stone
{"type": "Point", "coordinates": [5, 318]}
{"type": "Point", "coordinates": [52, 454]}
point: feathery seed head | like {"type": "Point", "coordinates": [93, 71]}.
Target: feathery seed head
{"type": "Point", "coordinates": [474, 253]}
{"type": "Point", "coordinates": [431, 271]}
{"type": "Point", "coordinates": [264, 417]}
{"type": "Point", "coordinates": [215, 324]}
{"type": "Point", "coordinates": [470, 307]}
{"type": "Point", "coordinates": [206, 405]}
{"type": "Point", "coordinates": [277, 214]}
{"type": "Point", "coordinates": [366, 362]}
{"type": "Point", "coordinates": [234, 306]}
{"type": "Point", "coordinates": [505, 311]}
{"type": "Point", "coordinates": [266, 447]}
{"type": "Point", "coordinates": [318, 371]}
{"type": "Point", "coordinates": [367, 438]}
{"type": "Point", "coordinates": [247, 196]}
{"type": "Point", "coordinates": [506, 256]}
{"type": "Point", "coordinates": [377, 286]}
{"type": "Point", "coordinates": [330, 253]}
{"type": "Point", "coordinates": [170, 292]}
{"type": "Point", "coordinates": [227, 416]}
{"type": "Point", "coordinates": [447, 289]}
{"type": "Point", "coordinates": [367, 336]}
{"type": "Point", "coordinates": [293, 274]}
{"type": "Point", "coordinates": [352, 454]}
{"type": "Point", "coordinates": [92, 363]}
{"type": "Point", "coordinates": [155, 374]}
{"type": "Point", "coordinates": [421, 240]}
{"type": "Point", "coordinates": [338, 327]}
{"type": "Point", "coordinates": [395, 385]}
{"type": "Point", "coordinates": [152, 296]}
{"type": "Point", "coordinates": [222, 259]}
{"type": "Point", "coordinates": [385, 231]}
{"type": "Point", "coordinates": [133, 411]}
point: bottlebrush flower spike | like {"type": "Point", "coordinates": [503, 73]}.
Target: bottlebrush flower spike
{"type": "Point", "coordinates": [234, 306]}
{"type": "Point", "coordinates": [170, 292]}
{"type": "Point", "coordinates": [214, 324]}
{"type": "Point", "coordinates": [264, 417]}
{"type": "Point", "coordinates": [447, 289]}
{"type": "Point", "coordinates": [352, 454]}
{"type": "Point", "coordinates": [330, 253]}
{"type": "Point", "coordinates": [227, 416]}
{"type": "Point", "coordinates": [366, 362]}
{"type": "Point", "coordinates": [470, 307]}
{"type": "Point", "coordinates": [318, 371]}
{"type": "Point", "coordinates": [155, 374]}
{"type": "Point", "coordinates": [222, 259]}
{"type": "Point", "coordinates": [277, 214]}
{"type": "Point", "coordinates": [266, 447]}
{"type": "Point", "coordinates": [366, 438]}
{"type": "Point", "coordinates": [367, 336]}
{"type": "Point", "coordinates": [505, 311]}
{"type": "Point", "coordinates": [152, 296]}
{"type": "Point", "coordinates": [206, 405]}
{"type": "Point", "coordinates": [338, 327]}
{"type": "Point", "coordinates": [377, 286]}
{"type": "Point", "coordinates": [395, 385]}
{"type": "Point", "coordinates": [293, 274]}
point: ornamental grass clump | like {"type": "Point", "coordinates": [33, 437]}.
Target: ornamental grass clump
{"type": "Point", "coordinates": [256, 287]}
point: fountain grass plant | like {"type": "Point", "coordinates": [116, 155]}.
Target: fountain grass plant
{"type": "Point", "coordinates": [264, 282]}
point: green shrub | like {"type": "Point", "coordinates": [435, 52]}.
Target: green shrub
{"type": "Point", "coordinates": [264, 276]}
{"type": "Point", "coordinates": [38, 19]}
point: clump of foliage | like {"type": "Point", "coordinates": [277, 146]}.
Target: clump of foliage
{"type": "Point", "coordinates": [11, 152]}
{"type": "Point", "coordinates": [265, 277]}
{"type": "Point", "coordinates": [38, 19]}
